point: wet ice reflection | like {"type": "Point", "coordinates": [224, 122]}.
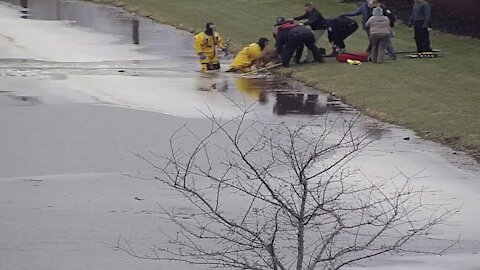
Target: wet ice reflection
{"type": "Point", "coordinates": [170, 78]}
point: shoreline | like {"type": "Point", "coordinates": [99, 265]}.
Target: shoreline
{"type": "Point", "coordinates": [451, 140]}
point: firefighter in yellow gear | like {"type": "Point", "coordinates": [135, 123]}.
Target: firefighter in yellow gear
{"type": "Point", "coordinates": [249, 56]}
{"type": "Point", "coordinates": [206, 44]}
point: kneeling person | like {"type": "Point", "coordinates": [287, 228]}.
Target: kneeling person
{"type": "Point", "coordinates": [253, 54]}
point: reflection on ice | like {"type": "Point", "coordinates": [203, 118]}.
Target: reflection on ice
{"type": "Point", "coordinates": [110, 67]}
{"type": "Point", "coordinates": [119, 60]}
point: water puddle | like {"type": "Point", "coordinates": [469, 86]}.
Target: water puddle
{"type": "Point", "coordinates": [15, 100]}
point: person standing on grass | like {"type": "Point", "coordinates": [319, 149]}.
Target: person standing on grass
{"type": "Point", "coordinates": [379, 34]}
{"type": "Point", "coordinates": [420, 20]}
{"type": "Point", "coordinates": [292, 37]}
{"type": "Point", "coordinates": [206, 45]}
{"type": "Point", "coordinates": [389, 14]}
{"type": "Point", "coordinates": [253, 54]}
{"type": "Point", "coordinates": [365, 11]}
{"type": "Point", "coordinates": [317, 23]}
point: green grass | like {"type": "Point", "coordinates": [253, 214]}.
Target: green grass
{"type": "Point", "coordinates": [438, 98]}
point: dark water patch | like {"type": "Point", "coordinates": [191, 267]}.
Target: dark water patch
{"type": "Point", "coordinates": [19, 100]}
{"type": "Point", "coordinates": [298, 103]}
{"type": "Point", "coordinates": [376, 130]}
{"type": "Point", "coordinates": [288, 96]}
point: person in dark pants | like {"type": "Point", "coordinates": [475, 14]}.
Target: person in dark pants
{"type": "Point", "coordinates": [315, 20]}
{"type": "Point", "coordinates": [420, 20]}
{"type": "Point", "coordinates": [365, 10]}
{"type": "Point", "coordinates": [291, 37]}
{"type": "Point", "coordinates": [339, 28]}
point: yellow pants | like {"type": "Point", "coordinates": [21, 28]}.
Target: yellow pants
{"type": "Point", "coordinates": [210, 63]}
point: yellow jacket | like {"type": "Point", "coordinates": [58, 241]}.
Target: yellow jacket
{"type": "Point", "coordinates": [207, 44]}
{"type": "Point", "coordinates": [247, 56]}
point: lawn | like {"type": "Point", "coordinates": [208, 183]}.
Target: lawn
{"type": "Point", "coordinates": [437, 98]}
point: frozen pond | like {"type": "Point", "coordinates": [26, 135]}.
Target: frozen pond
{"type": "Point", "coordinates": [83, 87]}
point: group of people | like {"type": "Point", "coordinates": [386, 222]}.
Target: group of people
{"type": "Point", "coordinates": [291, 38]}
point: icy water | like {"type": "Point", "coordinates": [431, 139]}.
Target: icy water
{"type": "Point", "coordinates": [172, 57]}
{"type": "Point", "coordinates": [83, 87]}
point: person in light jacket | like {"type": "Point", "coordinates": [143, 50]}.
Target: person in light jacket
{"type": "Point", "coordinates": [379, 34]}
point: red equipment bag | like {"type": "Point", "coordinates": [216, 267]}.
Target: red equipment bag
{"type": "Point", "coordinates": [360, 56]}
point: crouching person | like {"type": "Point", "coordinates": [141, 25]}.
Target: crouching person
{"type": "Point", "coordinates": [339, 29]}
{"type": "Point", "coordinates": [291, 37]}
{"type": "Point", "coordinates": [253, 54]}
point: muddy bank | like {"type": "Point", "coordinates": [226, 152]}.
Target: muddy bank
{"type": "Point", "coordinates": [455, 17]}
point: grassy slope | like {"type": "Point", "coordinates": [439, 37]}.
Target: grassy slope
{"type": "Point", "coordinates": [438, 98]}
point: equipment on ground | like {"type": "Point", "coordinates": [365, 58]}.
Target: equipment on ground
{"type": "Point", "coordinates": [422, 55]}
{"type": "Point", "coordinates": [412, 52]}
{"type": "Point", "coordinates": [354, 62]}
{"type": "Point", "coordinates": [261, 69]}
{"type": "Point", "coordinates": [358, 56]}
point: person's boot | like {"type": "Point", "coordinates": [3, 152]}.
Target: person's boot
{"type": "Point", "coordinates": [321, 59]}
{"type": "Point", "coordinates": [334, 53]}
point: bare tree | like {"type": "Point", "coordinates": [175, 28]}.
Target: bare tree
{"type": "Point", "coordinates": [281, 196]}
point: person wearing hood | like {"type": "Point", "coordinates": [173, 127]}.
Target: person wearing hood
{"type": "Point", "coordinates": [206, 44]}
{"type": "Point", "coordinates": [253, 54]}
{"type": "Point", "coordinates": [379, 26]}
{"type": "Point", "coordinates": [291, 37]}
{"type": "Point", "coordinates": [389, 14]}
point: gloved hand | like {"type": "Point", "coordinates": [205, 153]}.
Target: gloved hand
{"type": "Point", "coordinates": [203, 56]}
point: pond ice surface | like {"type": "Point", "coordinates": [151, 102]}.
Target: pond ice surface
{"type": "Point", "coordinates": [66, 191]}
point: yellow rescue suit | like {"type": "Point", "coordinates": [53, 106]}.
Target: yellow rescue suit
{"type": "Point", "coordinates": [246, 58]}
{"type": "Point", "coordinates": [206, 44]}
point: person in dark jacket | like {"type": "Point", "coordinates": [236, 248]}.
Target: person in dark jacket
{"type": "Point", "coordinates": [291, 37]}
{"type": "Point", "coordinates": [365, 9]}
{"type": "Point", "coordinates": [317, 23]}
{"type": "Point", "coordinates": [421, 20]}
{"type": "Point", "coordinates": [339, 28]}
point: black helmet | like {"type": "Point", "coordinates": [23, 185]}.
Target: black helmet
{"type": "Point", "coordinates": [263, 42]}
{"type": "Point", "coordinates": [280, 21]}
